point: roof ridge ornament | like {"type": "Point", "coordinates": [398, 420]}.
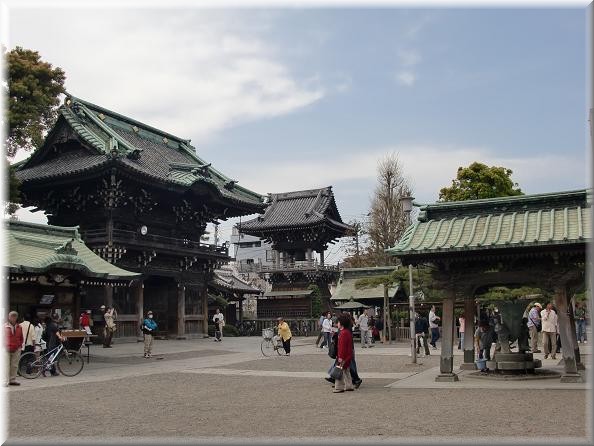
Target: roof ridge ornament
{"type": "Point", "coordinates": [67, 249]}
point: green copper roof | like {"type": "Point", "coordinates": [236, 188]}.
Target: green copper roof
{"type": "Point", "coordinates": [346, 290]}
{"type": "Point", "coordinates": [35, 248]}
{"type": "Point", "coordinates": [113, 138]}
{"type": "Point", "coordinates": [535, 227]}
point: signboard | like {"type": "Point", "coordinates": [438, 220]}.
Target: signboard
{"type": "Point", "coordinates": [47, 299]}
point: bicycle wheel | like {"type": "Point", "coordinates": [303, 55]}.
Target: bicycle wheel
{"type": "Point", "coordinates": [280, 349]}
{"type": "Point", "coordinates": [29, 366]}
{"type": "Point", "coordinates": [70, 363]}
{"type": "Point", "coordinates": [267, 347]}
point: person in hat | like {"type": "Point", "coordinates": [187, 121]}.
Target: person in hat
{"type": "Point", "coordinates": [149, 328]}
{"type": "Point", "coordinates": [284, 333]}
{"type": "Point", "coordinates": [534, 324]}
{"type": "Point", "coordinates": [110, 326]}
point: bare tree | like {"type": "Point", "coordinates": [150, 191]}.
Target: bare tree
{"type": "Point", "coordinates": [387, 221]}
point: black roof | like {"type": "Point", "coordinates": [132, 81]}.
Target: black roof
{"type": "Point", "coordinates": [298, 210]}
{"type": "Point", "coordinates": [108, 138]}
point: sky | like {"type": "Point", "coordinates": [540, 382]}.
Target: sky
{"type": "Point", "coordinates": [290, 99]}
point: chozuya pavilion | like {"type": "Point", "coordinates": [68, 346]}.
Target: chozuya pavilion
{"type": "Point", "coordinates": [532, 240]}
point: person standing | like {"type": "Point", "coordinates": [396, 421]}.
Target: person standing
{"type": "Point", "coordinates": [363, 323]}
{"type": "Point", "coordinates": [484, 339]}
{"type": "Point", "coordinates": [149, 328]}
{"type": "Point", "coordinates": [344, 354]}
{"type": "Point", "coordinates": [28, 330]}
{"type": "Point", "coordinates": [461, 322]}
{"type": "Point", "coordinates": [422, 331]}
{"type": "Point", "coordinates": [110, 325]}
{"type": "Point", "coordinates": [40, 344]}
{"type": "Point", "coordinates": [580, 323]}
{"type": "Point", "coordinates": [320, 326]}
{"type": "Point", "coordinates": [85, 321]}
{"type": "Point", "coordinates": [549, 331]}
{"type": "Point", "coordinates": [433, 318]}
{"type": "Point", "coordinates": [327, 330]}
{"type": "Point", "coordinates": [219, 321]}
{"type": "Point", "coordinates": [13, 335]}
{"type": "Point", "coordinates": [534, 324]}
{"type": "Point", "coordinates": [285, 334]}
{"type": "Point", "coordinates": [54, 337]}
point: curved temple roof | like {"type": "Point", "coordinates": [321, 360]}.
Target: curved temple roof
{"type": "Point", "coordinates": [35, 248]}
{"type": "Point", "coordinates": [110, 137]}
{"type": "Point", "coordinates": [535, 225]}
{"type": "Point", "coordinates": [298, 210]}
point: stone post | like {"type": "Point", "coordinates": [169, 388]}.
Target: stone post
{"type": "Point", "coordinates": [576, 348]}
{"type": "Point", "coordinates": [181, 311]}
{"type": "Point", "coordinates": [561, 302]}
{"type": "Point", "coordinates": [469, 329]}
{"type": "Point", "coordinates": [205, 312]}
{"type": "Point", "coordinates": [446, 362]}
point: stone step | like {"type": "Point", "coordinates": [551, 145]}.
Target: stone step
{"type": "Point", "coordinates": [512, 357]}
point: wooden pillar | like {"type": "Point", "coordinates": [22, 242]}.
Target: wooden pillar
{"type": "Point", "coordinates": [576, 348]}
{"type": "Point", "coordinates": [139, 297]}
{"type": "Point", "coordinates": [446, 362]}
{"type": "Point", "coordinates": [76, 310]}
{"type": "Point", "coordinates": [322, 256]}
{"type": "Point", "coordinates": [469, 329]}
{"type": "Point", "coordinates": [181, 311]}
{"type": "Point", "coordinates": [240, 303]}
{"type": "Point", "coordinates": [561, 302]}
{"type": "Point", "coordinates": [108, 295]}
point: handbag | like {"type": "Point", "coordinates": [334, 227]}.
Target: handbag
{"type": "Point", "coordinates": [336, 372]}
{"type": "Point", "coordinates": [332, 350]}
{"type": "Point", "coordinates": [28, 348]}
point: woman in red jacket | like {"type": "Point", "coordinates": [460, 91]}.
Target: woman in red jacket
{"type": "Point", "coordinates": [345, 354]}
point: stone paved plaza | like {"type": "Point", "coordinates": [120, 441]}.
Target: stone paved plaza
{"type": "Point", "coordinates": [202, 390]}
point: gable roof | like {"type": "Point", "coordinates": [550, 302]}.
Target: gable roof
{"type": "Point", "coordinates": [346, 289]}
{"type": "Point", "coordinates": [36, 248]}
{"type": "Point", "coordinates": [227, 280]}
{"type": "Point", "coordinates": [298, 210]}
{"type": "Point", "coordinates": [109, 137]}
{"type": "Point", "coordinates": [529, 222]}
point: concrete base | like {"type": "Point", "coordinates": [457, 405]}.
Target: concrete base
{"type": "Point", "coordinates": [447, 377]}
{"type": "Point", "coordinates": [468, 366]}
{"type": "Point", "coordinates": [579, 365]}
{"type": "Point", "coordinates": [571, 378]}
{"type": "Point", "coordinates": [181, 338]}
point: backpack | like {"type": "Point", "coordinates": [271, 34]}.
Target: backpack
{"type": "Point", "coordinates": [44, 336]}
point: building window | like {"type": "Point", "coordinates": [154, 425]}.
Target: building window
{"type": "Point", "coordinates": [249, 261]}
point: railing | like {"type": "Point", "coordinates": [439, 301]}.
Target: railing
{"type": "Point", "coordinates": [312, 325]}
{"type": "Point", "coordinates": [299, 265]}
{"type": "Point", "coordinates": [134, 237]}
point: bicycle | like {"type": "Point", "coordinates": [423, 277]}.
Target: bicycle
{"type": "Point", "coordinates": [69, 362]}
{"type": "Point", "coordinates": [246, 328]}
{"type": "Point", "coordinates": [271, 343]}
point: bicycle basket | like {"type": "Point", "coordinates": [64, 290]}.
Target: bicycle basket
{"type": "Point", "coordinates": [267, 333]}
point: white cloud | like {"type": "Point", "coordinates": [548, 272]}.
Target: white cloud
{"type": "Point", "coordinates": [408, 57]}
{"type": "Point", "coordinates": [406, 78]}
{"type": "Point", "coordinates": [205, 72]}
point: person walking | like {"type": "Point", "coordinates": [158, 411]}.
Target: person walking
{"type": "Point", "coordinates": [327, 330]}
{"type": "Point", "coordinates": [363, 323]}
{"type": "Point", "coordinates": [85, 321]}
{"type": "Point", "coordinates": [285, 334]}
{"type": "Point", "coordinates": [549, 331]}
{"type": "Point", "coordinates": [422, 331]}
{"type": "Point", "coordinates": [149, 328]}
{"type": "Point", "coordinates": [28, 330]}
{"type": "Point", "coordinates": [461, 322]}
{"type": "Point", "coordinates": [219, 321]}
{"type": "Point", "coordinates": [580, 322]}
{"type": "Point", "coordinates": [344, 354]}
{"type": "Point", "coordinates": [433, 318]}
{"type": "Point", "coordinates": [110, 326]}
{"type": "Point", "coordinates": [13, 335]}
{"type": "Point", "coordinates": [534, 325]}
{"type": "Point", "coordinates": [320, 327]}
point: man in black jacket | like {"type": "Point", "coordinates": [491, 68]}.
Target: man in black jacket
{"type": "Point", "coordinates": [422, 329]}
